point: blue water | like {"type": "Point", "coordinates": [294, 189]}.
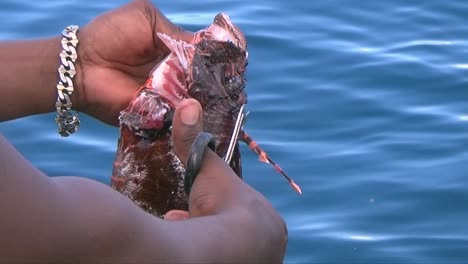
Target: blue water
{"type": "Point", "coordinates": [364, 103]}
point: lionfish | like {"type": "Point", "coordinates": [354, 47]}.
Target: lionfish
{"type": "Point", "coordinates": [211, 69]}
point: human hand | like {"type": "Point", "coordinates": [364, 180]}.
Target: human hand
{"type": "Point", "coordinates": [116, 53]}
{"type": "Point", "coordinates": [218, 191]}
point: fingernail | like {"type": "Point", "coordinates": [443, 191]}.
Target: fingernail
{"type": "Point", "coordinates": [176, 215]}
{"type": "Point", "coordinates": [189, 115]}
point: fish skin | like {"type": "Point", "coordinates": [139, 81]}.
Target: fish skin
{"type": "Point", "coordinates": [211, 69]}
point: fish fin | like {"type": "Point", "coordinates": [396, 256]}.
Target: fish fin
{"type": "Point", "coordinates": [230, 31]}
{"type": "Point", "coordinates": [263, 156]}
{"type": "Point", "coordinates": [182, 49]}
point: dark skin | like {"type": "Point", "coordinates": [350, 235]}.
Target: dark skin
{"type": "Point", "coordinates": [49, 220]}
{"type": "Point", "coordinates": [116, 56]}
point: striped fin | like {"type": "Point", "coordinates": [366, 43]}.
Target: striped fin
{"type": "Point", "coordinates": [263, 156]}
{"type": "Point", "coordinates": [183, 50]}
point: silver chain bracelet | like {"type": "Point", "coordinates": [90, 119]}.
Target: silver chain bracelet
{"type": "Point", "coordinates": [67, 122]}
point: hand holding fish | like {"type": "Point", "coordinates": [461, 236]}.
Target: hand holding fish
{"type": "Point", "coordinates": [116, 52]}
{"type": "Point", "coordinates": [115, 58]}
{"type": "Point", "coordinates": [86, 221]}
{"type": "Point", "coordinates": [220, 194]}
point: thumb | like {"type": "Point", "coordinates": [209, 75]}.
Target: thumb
{"type": "Point", "coordinates": [187, 123]}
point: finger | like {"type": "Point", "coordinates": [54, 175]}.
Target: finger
{"type": "Point", "coordinates": [176, 215]}
{"type": "Point", "coordinates": [187, 123]}
{"type": "Point", "coordinates": [107, 106]}
{"type": "Point", "coordinates": [161, 24]}
{"type": "Point", "coordinates": [216, 186]}
{"type": "Point", "coordinates": [164, 25]}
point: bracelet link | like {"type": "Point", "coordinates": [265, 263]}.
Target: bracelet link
{"type": "Point", "coordinates": [67, 121]}
{"type": "Point", "coordinates": [64, 71]}
{"type": "Point", "coordinates": [67, 124]}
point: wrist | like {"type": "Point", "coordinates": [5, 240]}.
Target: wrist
{"type": "Point", "coordinates": [80, 97]}
{"type": "Point", "coordinates": [78, 103]}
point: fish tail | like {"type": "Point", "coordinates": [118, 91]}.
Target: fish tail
{"type": "Point", "coordinates": [263, 157]}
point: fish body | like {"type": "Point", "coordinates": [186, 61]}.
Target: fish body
{"type": "Point", "coordinates": [211, 69]}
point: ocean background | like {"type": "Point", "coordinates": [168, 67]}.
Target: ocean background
{"type": "Point", "coordinates": [363, 103]}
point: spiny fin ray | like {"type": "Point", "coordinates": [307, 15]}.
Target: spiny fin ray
{"type": "Point", "coordinates": [263, 156]}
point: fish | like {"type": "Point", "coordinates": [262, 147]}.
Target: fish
{"type": "Point", "coordinates": [211, 69]}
